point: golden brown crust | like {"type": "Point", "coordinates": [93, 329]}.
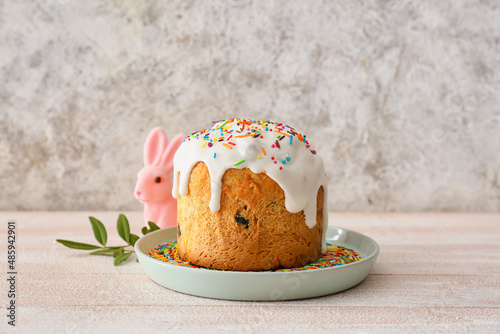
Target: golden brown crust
{"type": "Point", "coordinates": [252, 230]}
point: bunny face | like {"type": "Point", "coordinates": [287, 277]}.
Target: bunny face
{"type": "Point", "coordinates": [153, 185]}
{"type": "Point", "coordinates": [154, 182]}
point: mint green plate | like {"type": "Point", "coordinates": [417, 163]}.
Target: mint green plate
{"type": "Point", "coordinates": [260, 286]}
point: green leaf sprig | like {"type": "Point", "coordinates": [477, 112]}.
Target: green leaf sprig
{"type": "Point", "coordinates": [119, 253]}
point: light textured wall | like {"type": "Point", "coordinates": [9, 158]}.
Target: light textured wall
{"type": "Point", "coordinates": [401, 99]}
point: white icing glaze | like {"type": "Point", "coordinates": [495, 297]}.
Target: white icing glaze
{"type": "Point", "coordinates": [240, 143]}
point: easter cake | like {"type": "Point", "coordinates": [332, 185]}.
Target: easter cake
{"type": "Point", "coordinates": [251, 195]}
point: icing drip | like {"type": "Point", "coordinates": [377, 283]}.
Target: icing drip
{"type": "Point", "coordinates": [262, 146]}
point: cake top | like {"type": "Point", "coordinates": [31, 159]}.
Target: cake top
{"type": "Point", "coordinates": [274, 148]}
{"type": "Point", "coordinates": [228, 133]}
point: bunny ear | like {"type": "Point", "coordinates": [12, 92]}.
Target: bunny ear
{"type": "Point", "coordinates": [167, 160]}
{"type": "Point", "coordinates": [155, 145]}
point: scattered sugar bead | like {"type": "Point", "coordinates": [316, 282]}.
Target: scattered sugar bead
{"type": "Point", "coordinates": [335, 256]}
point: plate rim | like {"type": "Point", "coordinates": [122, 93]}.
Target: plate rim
{"type": "Point", "coordinates": [260, 285]}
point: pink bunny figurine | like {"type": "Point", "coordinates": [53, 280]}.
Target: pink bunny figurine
{"type": "Point", "coordinates": [154, 184]}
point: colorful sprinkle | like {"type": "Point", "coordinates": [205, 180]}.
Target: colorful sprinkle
{"type": "Point", "coordinates": [335, 256]}
{"type": "Point", "coordinates": [221, 133]}
{"type": "Point", "coordinates": [239, 162]}
{"type": "Point", "coordinates": [284, 134]}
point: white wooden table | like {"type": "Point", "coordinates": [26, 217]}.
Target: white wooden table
{"type": "Point", "coordinates": [435, 273]}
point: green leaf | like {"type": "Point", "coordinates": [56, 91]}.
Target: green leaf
{"type": "Point", "coordinates": [99, 231]}
{"type": "Point", "coordinates": [133, 239]}
{"type": "Point", "coordinates": [122, 257]}
{"type": "Point", "coordinates": [153, 226]}
{"type": "Point", "coordinates": [77, 245]}
{"type": "Point", "coordinates": [117, 252]}
{"type": "Point", "coordinates": [123, 228]}
{"type": "Point", "coordinates": [105, 251]}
